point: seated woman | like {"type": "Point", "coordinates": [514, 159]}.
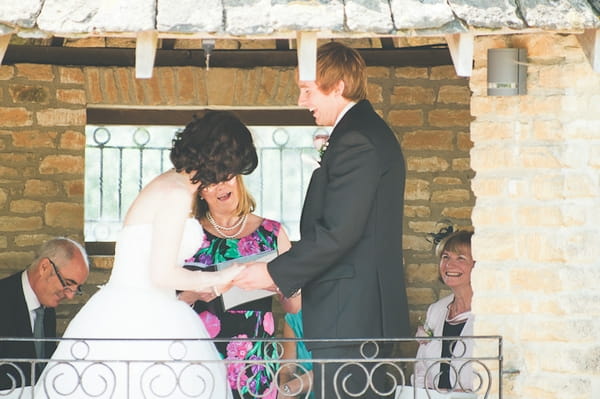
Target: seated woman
{"type": "Point", "coordinates": [449, 317]}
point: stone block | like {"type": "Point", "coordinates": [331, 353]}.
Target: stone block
{"type": "Point", "coordinates": [438, 140]}
{"type": "Point", "coordinates": [64, 215]}
{"type": "Point", "coordinates": [34, 138]}
{"type": "Point", "coordinates": [15, 117]}
{"type": "Point", "coordinates": [18, 223]}
{"type": "Point", "coordinates": [25, 206]}
{"type": "Point", "coordinates": [61, 117]}
{"type": "Point", "coordinates": [411, 73]}
{"type": "Point", "coordinates": [412, 95]}
{"type": "Point", "coordinates": [319, 15]}
{"type": "Point", "coordinates": [461, 212]}
{"type": "Point", "coordinates": [558, 14]}
{"type": "Point", "coordinates": [72, 140]}
{"type": "Point", "coordinates": [62, 164]}
{"type": "Point", "coordinates": [247, 17]}
{"type": "Point", "coordinates": [37, 72]}
{"type": "Point", "coordinates": [71, 75]}
{"type": "Point", "coordinates": [429, 164]}
{"type": "Point", "coordinates": [453, 195]}
{"type": "Point", "coordinates": [440, 117]}
{"type": "Point", "coordinates": [488, 14]}
{"type": "Point", "coordinates": [71, 96]}
{"type": "Point", "coordinates": [415, 14]}
{"type": "Point", "coordinates": [368, 16]}
{"type": "Point", "coordinates": [454, 94]}
{"type": "Point", "coordinates": [417, 189]}
{"type": "Point", "coordinates": [102, 16]}
{"type": "Point", "coordinates": [36, 188]}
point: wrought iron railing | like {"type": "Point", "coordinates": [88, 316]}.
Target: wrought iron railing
{"type": "Point", "coordinates": [177, 375]}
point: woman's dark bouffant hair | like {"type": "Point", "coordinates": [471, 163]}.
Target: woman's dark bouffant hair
{"type": "Point", "coordinates": [215, 147]}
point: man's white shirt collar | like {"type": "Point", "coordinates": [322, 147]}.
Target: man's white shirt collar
{"type": "Point", "coordinates": [30, 297]}
{"type": "Point", "coordinates": [341, 115]}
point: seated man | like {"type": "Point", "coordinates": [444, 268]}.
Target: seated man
{"type": "Point", "coordinates": [27, 302]}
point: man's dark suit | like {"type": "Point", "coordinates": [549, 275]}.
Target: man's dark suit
{"type": "Point", "coordinates": [15, 322]}
{"type": "Point", "coordinates": [348, 261]}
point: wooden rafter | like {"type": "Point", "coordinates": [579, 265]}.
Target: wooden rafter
{"type": "Point", "coordinates": [145, 52]}
{"type": "Point", "coordinates": [4, 40]}
{"type": "Point", "coordinates": [590, 42]}
{"type": "Point", "coordinates": [461, 50]}
{"type": "Point", "coordinates": [307, 55]}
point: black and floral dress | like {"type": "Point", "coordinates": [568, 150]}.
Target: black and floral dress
{"type": "Point", "coordinates": [250, 320]}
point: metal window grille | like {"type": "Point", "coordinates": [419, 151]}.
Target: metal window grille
{"type": "Point", "coordinates": [120, 160]}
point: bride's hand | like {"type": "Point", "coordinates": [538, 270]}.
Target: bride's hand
{"type": "Point", "coordinates": [190, 297]}
{"type": "Point", "coordinates": [231, 272]}
{"type": "Point", "coordinates": [220, 289]}
{"type": "Point", "coordinates": [226, 277]}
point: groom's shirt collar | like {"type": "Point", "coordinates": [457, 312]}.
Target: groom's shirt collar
{"type": "Point", "coordinates": [344, 110]}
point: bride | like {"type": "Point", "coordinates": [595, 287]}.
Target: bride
{"type": "Point", "coordinates": [139, 302]}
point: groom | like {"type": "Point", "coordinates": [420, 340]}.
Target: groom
{"type": "Point", "coordinates": [348, 262]}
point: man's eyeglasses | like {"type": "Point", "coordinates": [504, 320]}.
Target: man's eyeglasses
{"type": "Point", "coordinates": [72, 287]}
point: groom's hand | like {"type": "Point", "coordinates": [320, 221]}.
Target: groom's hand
{"type": "Point", "coordinates": [255, 276]}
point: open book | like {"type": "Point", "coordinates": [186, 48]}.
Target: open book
{"type": "Point", "coordinates": [237, 296]}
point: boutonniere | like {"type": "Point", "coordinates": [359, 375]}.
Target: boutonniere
{"type": "Point", "coordinates": [428, 330]}
{"type": "Point", "coordinates": [321, 142]}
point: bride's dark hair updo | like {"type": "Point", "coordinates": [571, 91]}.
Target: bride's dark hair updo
{"type": "Point", "coordinates": [216, 147]}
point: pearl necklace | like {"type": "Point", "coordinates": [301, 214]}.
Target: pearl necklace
{"type": "Point", "coordinates": [222, 229]}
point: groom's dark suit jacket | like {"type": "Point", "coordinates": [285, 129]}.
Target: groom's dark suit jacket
{"type": "Point", "coordinates": [348, 261]}
{"type": "Point", "coordinates": [15, 322]}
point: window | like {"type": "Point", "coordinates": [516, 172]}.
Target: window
{"type": "Point", "coordinates": [122, 158]}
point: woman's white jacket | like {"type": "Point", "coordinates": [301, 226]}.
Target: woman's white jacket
{"type": "Point", "coordinates": [427, 370]}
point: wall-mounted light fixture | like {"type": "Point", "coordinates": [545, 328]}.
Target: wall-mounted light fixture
{"type": "Point", "coordinates": [208, 45]}
{"type": "Point", "coordinates": [507, 71]}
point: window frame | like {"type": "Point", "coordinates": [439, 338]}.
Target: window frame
{"type": "Point", "coordinates": [292, 116]}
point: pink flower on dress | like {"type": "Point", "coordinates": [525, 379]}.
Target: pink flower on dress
{"type": "Point", "coordinates": [236, 376]}
{"type": "Point", "coordinates": [238, 349]}
{"type": "Point", "coordinates": [205, 242]}
{"type": "Point", "coordinates": [211, 322]}
{"type": "Point", "coordinates": [271, 225]}
{"type": "Point", "coordinates": [268, 323]}
{"type": "Point", "coordinates": [270, 393]}
{"type": "Point", "coordinates": [248, 245]}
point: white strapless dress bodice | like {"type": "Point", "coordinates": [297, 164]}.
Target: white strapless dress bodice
{"type": "Point", "coordinates": [132, 255]}
{"type": "Point", "coordinates": [126, 315]}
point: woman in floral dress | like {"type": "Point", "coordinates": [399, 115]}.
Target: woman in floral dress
{"type": "Point", "coordinates": [232, 231]}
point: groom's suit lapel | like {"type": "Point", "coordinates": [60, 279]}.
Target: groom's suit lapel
{"type": "Point", "coordinates": [315, 195]}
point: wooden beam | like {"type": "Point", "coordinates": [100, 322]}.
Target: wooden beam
{"type": "Point", "coordinates": [181, 117]}
{"type": "Point", "coordinates": [307, 55]}
{"type": "Point", "coordinates": [461, 49]}
{"type": "Point", "coordinates": [125, 57]}
{"type": "Point", "coordinates": [145, 52]}
{"type": "Point", "coordinates": [590, 42]}
{"type": "Point", "coordinates": [4, 40]}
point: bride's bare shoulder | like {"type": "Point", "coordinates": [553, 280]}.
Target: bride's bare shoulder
{"type": "Point", "coordinates": [161, 194]}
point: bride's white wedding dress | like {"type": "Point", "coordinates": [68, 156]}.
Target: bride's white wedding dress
{"type": "Point", "coordinates": [130, 306]}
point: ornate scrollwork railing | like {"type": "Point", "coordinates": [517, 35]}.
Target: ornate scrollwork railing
{"type": "Point", "coordinates": [177, 373]}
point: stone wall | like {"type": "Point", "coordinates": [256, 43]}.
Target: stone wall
{"type": "Point", "coordinates": [42, 141]}
{"type": "Point", "coordinates": [537, 184]}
